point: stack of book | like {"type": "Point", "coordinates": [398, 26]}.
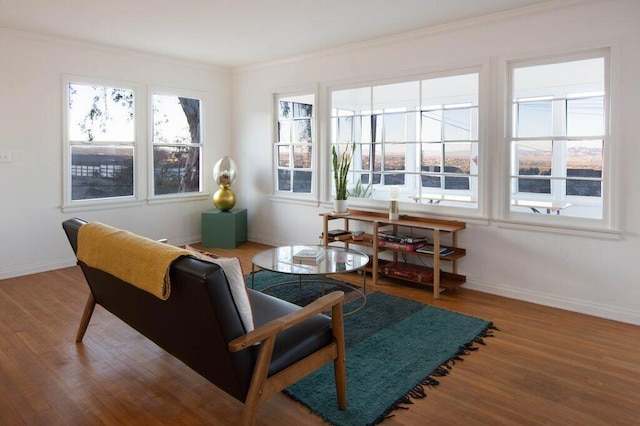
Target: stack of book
{"type": "Point", "coordinates": [309, 256]}
{"type": "Point", "coordinates": [401, 242]}
{"type": "Point", "coordinates": [428, 249]}
{"type": "Point", "coordinates": [338, 235]}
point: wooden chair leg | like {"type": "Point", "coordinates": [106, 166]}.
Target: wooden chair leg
{"type": "Point", "coordinates": [86, 317]}
{"type": "Point", "coordinates": [339, 364]}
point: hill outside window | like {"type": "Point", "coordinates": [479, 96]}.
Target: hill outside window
{"type": "Point", "coordinates": [421, 136]}
{"type": "Point", "coordinates": [177, 144]}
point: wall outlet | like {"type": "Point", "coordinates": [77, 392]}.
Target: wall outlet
{"type": "Point", "coordinates": [5, 156]}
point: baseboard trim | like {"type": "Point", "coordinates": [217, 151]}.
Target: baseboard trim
{"type": "Point", "coordinates": [37, 268]}
{"type": "Point", "coordinates": [599, 310]}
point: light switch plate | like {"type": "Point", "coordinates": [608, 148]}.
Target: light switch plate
{"type": "Point", "coordinates": [5, 156]}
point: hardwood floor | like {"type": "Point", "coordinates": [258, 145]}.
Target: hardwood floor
{"type": "Point", "coordinates": [544, 366]}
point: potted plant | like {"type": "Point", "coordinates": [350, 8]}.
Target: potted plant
{"type": "Point", "coordinates": [341, 164]}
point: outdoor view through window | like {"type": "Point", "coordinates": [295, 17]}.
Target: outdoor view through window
{"type": "Point", "coordinates": [558, 138]}
{"type": "Point", "coordinates": [101, 132]}
{"type": "Point", "coordinates": [420, 136]}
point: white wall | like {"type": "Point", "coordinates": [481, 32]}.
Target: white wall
{"type": "Point", "coordinates": [31, 70]}
{"type": "Point", "coordinates": [585, 274]}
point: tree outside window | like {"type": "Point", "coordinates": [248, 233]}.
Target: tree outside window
{"type": "Point", "coordinates": [177, 144]}
{"type": "Point", "coordinates": [101, 138]}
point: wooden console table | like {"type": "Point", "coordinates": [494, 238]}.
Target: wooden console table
{"type": "Point", "coordinates": [435, 227]}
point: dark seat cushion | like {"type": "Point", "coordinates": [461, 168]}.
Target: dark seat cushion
{"type": "Point", "coordinates": [295, 343]}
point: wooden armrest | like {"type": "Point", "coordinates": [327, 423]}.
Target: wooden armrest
{"type": "Point", "coordinates": [280, 324]}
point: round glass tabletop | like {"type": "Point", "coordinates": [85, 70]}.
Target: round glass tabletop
{"type": "Point", "coordinates": [336, 260]}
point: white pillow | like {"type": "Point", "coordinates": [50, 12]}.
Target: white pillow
{"type": "Point", "coordinates": [233, 271]}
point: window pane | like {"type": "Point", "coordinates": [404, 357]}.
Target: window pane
{"type": "Point", "coordinates": [377, 156]}
{"type": "Point", "coordinates": [585, 117]}
{"type": "Point", "coordinates": [99, 113]}
{"type": "Point", "coordinates": [285, 110]}
{"type": "Point", "coordinates": [395, 127]}
{"type": "Point", "coordinates": [365, 157]}
{"type": "Point", "coordinates": [431, 157]}
{"type": "Point", "coordinates": [364, 129]}
{"type": "Point", "coordinates": [101, 172]}
{"type": "Point", "coordinates": [534, 186]}
{"type": "Point", "coordinates": [295, 140]}
{"type": "Point", "coordinates": [284, 131]}
{"type": "Point", "coordinates": [432, 126]}
{"type": "Point", "coordinates": [584, 160]}
{"type": "Point", "coordinates": [376, 127]}
{"type": "Point", "coordinates": [457, 158]}
{"type": "Point", "coordinates": [533, 157]}
{"type": "Point", "coordinates": [534, 119]}
{"type": "Point", "coordinates": [284, 180]}
{"type": "Point", "coordinates": [302, 157]}
{"type": "Point", "coordinates": [176, 120]}
{"type": "Point", "coordinates": [559, 79]}
{"type": "Point", "coordinates": [456, 182]}
{"type": "Point", "coordinates": [302, 110]}
{"type": "Point", "coordinates": [431, 162]}
{"type": "Point", "coordinates": [301, 181]}
{"type": "Point", "coordinates": [176, 169]}
{"type": "Point", "coordinates": [283, 156]}
{"type": "Point", "coordinates": [303, 130]}
{"type": "Point", "coordinates": [429, 181]}
{"type": "Point", "coordinates": [394, 156]}
{"type": "Point", "coordinates": [457, 124]}
{"type": "Point", "coordinates": [344, 131]}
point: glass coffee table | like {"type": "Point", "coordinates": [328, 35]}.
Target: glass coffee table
{"type": "Point", "coordinates": [337, 260]}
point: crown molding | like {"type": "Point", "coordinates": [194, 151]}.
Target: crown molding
{"type": "Point", "coordinates": [465, 24]}
{"type": "Point", "coordinates": [138, 54]}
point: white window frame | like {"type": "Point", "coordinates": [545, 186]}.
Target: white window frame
{"type": "Point", "coordinates": [162, 198]}
{"type": "Point", "coordinates": [290, 196]}
{"type": "Point", "coordinates": [69, 205]}
{"type": "Point", "coordinates": [480, 211]}
{"type": "Point", "coordinates": [607, 227]}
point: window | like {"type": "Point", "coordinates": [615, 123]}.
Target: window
{"type": "Point", "coordinates": [421, 136]}
{"type": "Point", "coordinates": [101, 142]}
{"type": "Point", "coordinates": [557, 136]}
{"type": "Point", "coordinates": [294, 144]}
{"type": "Point", "coordinates": [177, 144]}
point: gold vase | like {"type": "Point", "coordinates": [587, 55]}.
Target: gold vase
{"type": "Point", "coordinates": [224, 198]}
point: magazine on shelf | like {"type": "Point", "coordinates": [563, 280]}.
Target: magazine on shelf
{"type": "Point", "coordinates": [411, 239]}
{"type": "Point", "coordinates": [444, 251]}
{"type": "Point", "coordinates": [309, 256]}
{"type": "Point", "coordinates": [397, 245]}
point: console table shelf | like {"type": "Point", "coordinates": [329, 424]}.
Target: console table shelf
{"type": "Point", "coordinates": [436, 227]}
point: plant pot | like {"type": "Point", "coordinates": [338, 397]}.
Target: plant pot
{"type": "Point", "coordinates": [340, 206]}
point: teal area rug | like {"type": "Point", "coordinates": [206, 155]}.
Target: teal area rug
{"type": "Point", "coordinates": [395, 349]}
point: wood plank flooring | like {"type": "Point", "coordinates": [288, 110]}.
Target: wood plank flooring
{"type": "Point", "coordinates": [544, 366]}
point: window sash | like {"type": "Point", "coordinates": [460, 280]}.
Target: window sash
{"type": "Point", "coordinates": [176, 144]}
{"type": "Point", "coordinates": [294, 144]}
{"type": "Point", "coordinates": [91, 109]}
{"type": "Point", "coordinates": [573, 120]}
{"type": "Point", "coordinates": [390, 136]}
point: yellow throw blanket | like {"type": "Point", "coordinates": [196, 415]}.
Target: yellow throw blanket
{"type": "Point", "coordinates": [137, 260]}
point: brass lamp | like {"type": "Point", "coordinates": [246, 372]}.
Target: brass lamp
{"type": "Point", "coordinates": [394, 192]}
{"type": "Point", "coordinates": [224, 173]}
